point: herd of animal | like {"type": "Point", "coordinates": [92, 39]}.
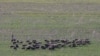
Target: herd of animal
{"type": "Point", "coordinates": [47, 44]}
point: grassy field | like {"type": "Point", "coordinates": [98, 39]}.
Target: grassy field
{"type": "Point", "coordinates": [50, 19]}
{"type": "Point", "coordinates": [91, 50]}
{"type": "Point", "coordinates": [54, 1]}
{"type": "Point", "coordinates": [61, 25]}
{"type": "Point", "coordinates": [50, 26]}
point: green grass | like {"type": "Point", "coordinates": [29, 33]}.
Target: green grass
{"type": "Point", "coordinates": [47, 26]}
{"type": "Point", "coordinates": [90, 50]}
{"type": "Point", "coordinates": [54, 1]}
{"type": "Point", "coordinates": [33, 20]}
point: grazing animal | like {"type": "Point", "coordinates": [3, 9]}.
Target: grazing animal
{"type": "Point", "coordinates": [47, 44]}
{"type": "Point", "coordinates": [43, 47]}
{"type": "Point", "coordinates": [52, 48]}
{"type": "Point", "coordinates": [87, 41]}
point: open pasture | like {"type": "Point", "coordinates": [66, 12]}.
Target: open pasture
{"type": "Point", "coordinates": [50, 26]}
{"type": "Point", "coordinates": [39, 22]}
{"type": "Point", "coordinates": [54, 1]}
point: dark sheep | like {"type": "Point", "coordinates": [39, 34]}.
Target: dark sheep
{"type": "Point", "coordinates": [15, 48]}
{"type": "Point", "coordinates": [47, 41]}
{"type": "Point", "coordinates": [52, 47]}
{"type": "Point", "coordinates": [48, 44]}
{"type": "Point", "coordinates": [87, 41]}
{"type": "Point", "coordinates": [11, 46]}
{"type": "Point", "coordinates": [28, 48]}
{"type": "Point", "coordinates": [14, 42]}
{"type": "Point", "coordinates": [43, 47]}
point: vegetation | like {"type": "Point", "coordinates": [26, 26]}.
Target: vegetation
{"type": "Point", "coordinates": [54, 1]}
{"type": "Point", "coordinates": [24, 24]}
{"type": "Point", "coordinates": [48, 26]}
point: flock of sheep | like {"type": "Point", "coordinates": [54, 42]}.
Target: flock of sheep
{"type": "Point", "coordinates": [47, 44]}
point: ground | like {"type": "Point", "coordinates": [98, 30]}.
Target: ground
{"type": "Point", "coordinates": [50, 21]}
{"type": "Point", "coordinates": [54, 1]}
